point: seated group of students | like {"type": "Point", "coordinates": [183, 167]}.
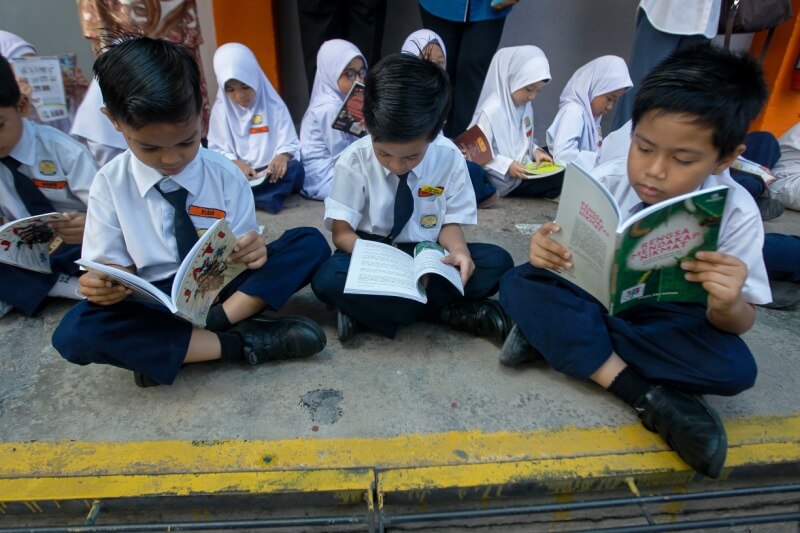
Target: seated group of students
{"type": "Point", "coordinates": [658, 358]}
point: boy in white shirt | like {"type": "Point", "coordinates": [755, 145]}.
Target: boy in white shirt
{"type": "Point", "coordinates": [138, 221]}
{"type": "Point", "coordinates": [42, 170]}
{"type": "Point", "coordinates": [401, 185]}
{"type": "Point", "coordinates": [659, 358]}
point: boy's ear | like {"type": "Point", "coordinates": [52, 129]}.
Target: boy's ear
{"type": "Point", "coordinates": [112, 119]}
{"type": "Point", "coordinates": [728, 160]}
{"type": "Point", "coordinates": [24, 105]}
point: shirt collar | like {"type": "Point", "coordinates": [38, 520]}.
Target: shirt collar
{"type": "Point", "coordinates": [25, 150]}
{"type": "Point", "coordinates": [147, 177]}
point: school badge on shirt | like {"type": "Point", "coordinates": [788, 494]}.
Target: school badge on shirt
{"type": "Point", "coordinates": [529, 130]}
{"type": "Point", "coordinates": [47, 167]}
{"type": "Point", "coordinates": [257, 122]}
{"type": "Point", "coordinates": [429, 221]}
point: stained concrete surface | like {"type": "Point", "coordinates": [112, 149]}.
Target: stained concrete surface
{"type": "Point", "coordinates": [428, 379]}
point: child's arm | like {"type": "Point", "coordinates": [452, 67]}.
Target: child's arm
{"type": "Point", "coordinates": [277, 167]}
{"type": "Point", "coordinates": [248, 171]}
{"type": "Point", "coordinates": [451, 237]}
{"type": "Point", "coordinates": [547, 253]}
{"type": "Point", "coordinates": [102, 290]}
{"type": "Point", "coordinates": [723, 276]}
{"type": "Point", "coordinates": [250, 250]}
{"type": "Point", "coordinates": [344, 237]}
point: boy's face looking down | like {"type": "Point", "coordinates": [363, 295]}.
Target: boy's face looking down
{"type": "Point", "coordinates": [11, 126]}
{"type": "Point", "coordinates": [671, 154]}
{"type": "Point", "coordinates": [163, 146]}
{"type": "Point", "coordinates": [400, 157]}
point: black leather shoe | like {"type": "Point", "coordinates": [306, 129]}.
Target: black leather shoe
{"type": "Point", "coordinates": [274, 338]}
{"type": "Point", "coordinates": [143, 381]}
{"type": "Point", "coordinates": [689, 425]}
{"type": "Point", "coordinates": [345, 326]}
{"type": "Point", "coordinates": [482, 318]}
{"type": "Point", "coordinates": [517, 350]}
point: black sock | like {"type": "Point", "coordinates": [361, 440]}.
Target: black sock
{"type": "Point", "coordinates": [629, 386]}
{"type": "Point", "coordinates": [232, 345]}
{"type": "Point", "coordinates": [217, 320]}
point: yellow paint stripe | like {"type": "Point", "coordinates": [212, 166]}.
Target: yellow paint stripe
{"type": "Point", "coordinates": [441, 449]}
{"type": "Point", "coordinates": [129, 486]}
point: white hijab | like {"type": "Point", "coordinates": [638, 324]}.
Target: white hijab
{"type": "Point", "coordinates": [91, 124]}
{"type": "Point", "coordinates": [332, 58]}
{"type": "Point", "coordinates": [511, 69]}
{"type": "Point", "coordinates": [230, 124]}
{"type": "Point", "coordinates": [12, 45]}
{"type": "Point", "coordinates": [417, 41]}
{"type": "Point", "coordinates": [597, 77]}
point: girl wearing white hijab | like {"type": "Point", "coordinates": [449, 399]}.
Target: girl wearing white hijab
{"type": "Point", "coordinates": [250, 125]}
{"type": "Point", "coordinates": [504, 113]}
{"type": "Point", "coordinates": [339, 65]}
{"type": "Point", "coordinates": [426, 44]}
{"type": "Point", "coordinates": [787, 187]}
{"type": "Point", "coordinates": [575, 135]}
{"type": "Point", "coordinates": [95, 129]}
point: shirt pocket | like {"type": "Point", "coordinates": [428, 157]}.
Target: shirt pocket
{"type": "Point", "coordinates": [428, 223]}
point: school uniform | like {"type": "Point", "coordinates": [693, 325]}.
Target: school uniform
{"type": "Point", "coordinates": [508, 127]}
{"type": "Point", "coordinates": [787, 187]}
{"type": "Point", "coordinates": [95, 129]}
{"type": "Point", "coordinates": [258, 133]}
{"type": "Point", "coordinates": [130, 223]}
{"type": "Point", "coordinates": [363, 195]}
{"type": "Point", "coordinates": [62, 171]}
{"type": "Point", "coordinates": [575, 134]}
{"type": "Point", "coordinates": [668, 343]}
{"type": "Point", "coordinates": [321, 144]}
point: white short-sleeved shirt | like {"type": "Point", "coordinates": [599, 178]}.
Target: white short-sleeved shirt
{"type": "Point", "coordinates": [567, 139]}
{"type": "Point", "coordinates": [321, 146]}
{"type": "Point", "coordinates": [61, 168]}
{"type": "Point", "coordinates": [497, 168]}
{"type": "Point", "coordinates": [683, 17]}
{"type": "Point", "coordinates": [129, 223]}
{"type": "Point", "coordinates": [741, 234]}
{"type": "Point", "coordinates": [363, 192]}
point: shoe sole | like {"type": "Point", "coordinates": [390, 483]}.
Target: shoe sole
{"type": "Point", "coordinates": [297, 319]}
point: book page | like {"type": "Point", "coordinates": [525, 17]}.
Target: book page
{"type": "Point", "coordinates": [380, 269]}
{"type": "Point", "coordinates": [44, 75]}
{"type": "Point", "coordinates": [541, 170]}
{"type": "Point", "coordinates": [141, 288]}
{"type": "Point", "coordinates": [588, 217]}
{"type": "Point", "coordinates": [647, 266]}
{"type": "Point", "coordinates": [26, 242]}
{"type": "Point", "coordinates": [428, 260]}
{"type": "Point", "coordinates": [350, 119]}
{"type": "Point", "coordinates": [204, 273]}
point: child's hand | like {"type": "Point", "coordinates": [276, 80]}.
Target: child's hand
{"type": "Point", "coordinates": [722, 275]}
{"type": "Point", "coordinates": [277, 167]}
{"type": "Point", "coordinates": [503, 4]}
{"type": "Point", "coordinates": [251, 250]}
{"type": "Point", "coordinates": [248, 171]}
{"type": "Point", "coordinates": [100, 289]}
{"type": "Point", "coordinates": [517, 170]}
{"type": "Point", "coordinates": [70, 230]}
{"type": "Point", "coordinates": [463, 262]}
{"type": "Point", "coordinates": [540, 155]}
{"type": "Point", "coordinates": [547, 253]}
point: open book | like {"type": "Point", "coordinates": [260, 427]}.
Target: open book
{"type": "Point", "coordinates": [626, 262]}
{"type": "Point", "coordinates": [201, 276]}
{"type": "Point", "coordinates": [748, 167]}
{"type": "Point", "coordinates": [350, 119]}
{"type": "Point", "coordinates": [542, 170]}
{"type": "Point", "coordinates": [475, 146]}
{"type": "Point", "coordinates": [380, 269]}
{"type": "Point", "coordinates": [28, 242]}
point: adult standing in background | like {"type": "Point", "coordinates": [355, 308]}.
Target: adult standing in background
{"type": "Point", "coordinates": [357, 21]}
{"type": "Point", "coordinates": [663, 26]}
{"type": "Point", "coordinates": [471, 31]}
{"type": "Point", "coordinates": [173, 20]}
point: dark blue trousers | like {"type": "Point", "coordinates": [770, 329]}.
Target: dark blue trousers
{"type": "Point", "coordinates": [762, 148]}
{"type": "Point", "coordinates": [385, 314]}
{"type": "Point", "coordinates": [147, 338]}
{"type": "Point", "coordinates": [26, 290]}
{"type": "Point", "coordinates": [480, 182]}
{"type": "Point", "coordinates": [782, 257]}
{"type": "Point", "coordinates": [271, 196]}
{"type": "Point", "coordinates": [667, 343]}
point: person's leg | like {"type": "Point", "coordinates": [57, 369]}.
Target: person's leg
{"type": "Point", "coordinates": [762, 148]}
{"type": "Point", "coordinates": [295, 174]}
{"type": "Point", "coordinates": [782, 257]}
{"type": "Point", "coordinates": [450, 32]}
{"type": "Point", "coordinates": [365, 22]}
{"type": "Point", "coordinates": [549, 187]}
{"type": "Point", "coordinates": [319, 21]}
{"type": "Point", "coordinates": [484, 190]}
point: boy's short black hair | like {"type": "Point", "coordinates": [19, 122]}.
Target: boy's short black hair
{"type": "Point", "coordinates": [146, 81]}
{"type": "Point", "coordinates": [9, 90]}
{"type": "Point", "coordinates": [405, 98]}
{"type": "Point", "coordinates": [725, 91]}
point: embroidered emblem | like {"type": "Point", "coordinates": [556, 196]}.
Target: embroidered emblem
{"type": "Point", "coordinates": [47, 167]}
{"type": "Point", "coordinates": [429, 221]}
{"type": "Point", "coordinates": [257, 119]}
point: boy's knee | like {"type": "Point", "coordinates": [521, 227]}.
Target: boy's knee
{"type": "Point", "coordinates": [329, 279]}
{"type": "Point", "coordinates": [739, 376]}
{"type": "Point", "coordinates": [68, 340]}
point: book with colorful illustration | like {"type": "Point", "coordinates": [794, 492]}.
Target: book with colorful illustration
{"type": "Point", "coordinates": [28, 242]}
{"type": "Point", "coordinates": [52, 80]}
{"type": "Point", "coordinates": [542, 170]}
{"type": "Point", "coordinates": [623, 263]}
{"type": "Point", "coordinates": [475, 145]}
{"type": "Point", "coordinates": [350, 118]}
{"type": "Point", "coordinates": [200, 277]}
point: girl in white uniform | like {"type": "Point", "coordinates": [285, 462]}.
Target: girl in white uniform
{"type": "Point", "coordinates": [95, 129]}
{"type": "Point", "coordinates": [575, 134]}
{"type": "Point", "coordinates": [339, 65]}
{"type": "Point", "coordinates": [250, 125]}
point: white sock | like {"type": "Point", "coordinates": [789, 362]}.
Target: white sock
{"type": "Point", "coordinates": [5, 308]}
{"type": "Point", "coordinates": [66, 287]}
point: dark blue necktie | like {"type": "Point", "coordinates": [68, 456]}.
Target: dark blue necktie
{"type": "Point", "coordinates": [185, 232]}
{"type": "Point", "coordinates": [403, 206]}
{"type": "Point", "coordinates": [35, 202]}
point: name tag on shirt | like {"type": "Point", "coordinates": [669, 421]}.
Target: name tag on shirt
{"type": "Point", "coordinates": [430, 190]}
{"type": "Point", "coordinates": [259, 129]}
{"type": "Point", "coordinates": [44, 184]}
{"type": "Point", "coordinates": [528, 133]}
{"type": "Point", "coordinates": [207, 212]}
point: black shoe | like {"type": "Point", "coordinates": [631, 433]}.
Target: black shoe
{"type": "Point", "coordinates": [769, 207]}
{"type": "Point", "coordinates": [345, 326]}
{"type": "Point", "coordinates": [689, 425]}
{"type": "Point", "coordinates": [274, 338]}
{"type": "Point", "coordinates": [517, 350]}
{"type": "Point", "coordinates": [482, 318]}
{"type": "Point", "coordinates": [143, 381]}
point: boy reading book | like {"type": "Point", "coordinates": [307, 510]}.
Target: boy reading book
{"type": "Point", "coordinates": [146, 210]}
{"type": "Point", "coordinates": [42, 171]}
{"type": "Point", "coordinates": [660, 357]}
{"type": "Point", "coordinates": [403, 184]}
